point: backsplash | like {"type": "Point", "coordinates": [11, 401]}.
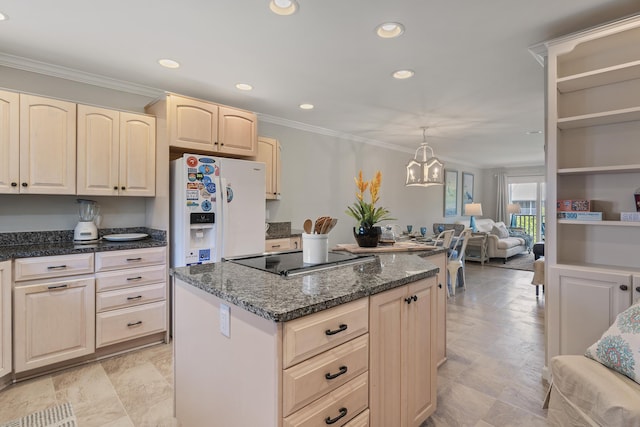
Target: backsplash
{"type": "Point", "coordinates": [40, 237]}
{"type": "Point", "coordinates": [279, 230]}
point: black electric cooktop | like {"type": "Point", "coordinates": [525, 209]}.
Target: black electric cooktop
{"type": "Point", "coordinates": [291, 263]}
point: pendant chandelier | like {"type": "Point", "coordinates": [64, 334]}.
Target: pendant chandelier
{"type": "Point", "coordinates": [424, 171]}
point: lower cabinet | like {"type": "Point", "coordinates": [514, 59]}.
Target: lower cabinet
{"type": "Point", "coordinates": [402, 364]}
{"type": "Point", "coordinates": [441, 312]}
{"type": "Point", "coordinates": [5, 318]}
{"type": "Point", "coordinates": [284, 244]}
{"type": "Point", "coordinates": [54, 321]}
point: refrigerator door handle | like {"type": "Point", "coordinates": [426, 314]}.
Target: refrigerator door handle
{"type": "Point", "coordinates": [223, 209]}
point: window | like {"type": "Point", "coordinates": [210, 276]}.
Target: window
{"type": "Point", "coordinates": [529, 192]}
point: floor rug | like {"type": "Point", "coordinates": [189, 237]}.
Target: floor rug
{"type": "Point", "coordinates": [522, 261]}
{"type": "Point", "coordinates": [55, 416]}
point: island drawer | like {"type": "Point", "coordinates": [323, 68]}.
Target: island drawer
{"type": "Point", "coordinates": [52, 266]}
{"type": "Point", "coordinates": [311, 379]}
{"type": "Point", "coordinates": [311, 335]}
{"type": "Point", "coordinates": [275, 245]}
{"type": "Point", "coordinates": [130, 297]}
{"type": "Point", "coordinates": [127, 323]}
{"type": "Point", "coordinates": [340, 406]}
{"type": "Point", "coordinates": [361, 420]}
{"type": "Point", "coordinates": [115, 260]}
{"type": "Point", "coordinates": [127, 278]}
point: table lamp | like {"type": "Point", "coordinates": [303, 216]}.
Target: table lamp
{"type": "Point", "coordinates": [513, 209]}
{"type": "Point", "coordinates": [473, 209]}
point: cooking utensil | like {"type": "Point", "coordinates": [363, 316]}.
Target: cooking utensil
{"type": "Point", "coordinates": [332, 224]}
{"type": "Point", "coordinates": [307, 226]}
{"type": "Point", "coordinates": [319, 224]}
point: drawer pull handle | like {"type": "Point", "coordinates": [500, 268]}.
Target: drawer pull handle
{"type": "Point", "coordinates": [134, 259]}
{"type": "Point", "coordinates": [134, 278]}
{"type": "Point", "coordinates": [131, 298]}
{"type": "Point", "coordinates": [341, 328]}
{"type": "Point", "coordinates": [139, 322]}
{"type": "Point", "coordinates": [343, 413]}
{"type": "Point", "coordinates": [58, 286]}
{"type": "Point", "coordinates": [624, 287]}
{"type": "Point", "coordinates": [56, 267]}
{"type": "Point", "coordinates": [343, 370]}
{"type": "Point", "coordinates": [275, 246]}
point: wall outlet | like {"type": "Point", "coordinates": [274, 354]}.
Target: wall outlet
{"type": "Point", "coordinates": [225, 320]}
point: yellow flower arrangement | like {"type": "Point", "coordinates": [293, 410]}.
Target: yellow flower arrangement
{"type": "Point", "coordinates": [365, 213]}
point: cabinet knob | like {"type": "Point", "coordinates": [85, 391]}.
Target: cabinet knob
{"type": "Point", "coordinates": [624, 287]}
{"type": "Point", "coordinates": [637, 288]}
{"type": "Point", "coordinates": [408, 300]}
{"type": "Point", "coordinates": [24, 184]}
{"type": "Point", "coordinates": [440, 285]}
{"type": "Point", "coordinates": [415, 297]}
{"type": "Point", "coordinates": [122, 188]}
{"type": "Point", "coordinates": [115, 187]}
{"type": "Point", "coordinates": [14, 184]}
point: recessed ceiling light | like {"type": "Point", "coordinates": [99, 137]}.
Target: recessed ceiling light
{"type": "Point", "coordinates": [403, 74]}
{"type": "Point", "coordinates": [534, 132]}
{"type": "Point", "coordinates": [2, 16]}
{"type": "Point", "coordinates": [168, 63]}
{"type": "Point", "coordinates": [283, 7]}
{"type": "Point", "coordinates": [306, 106]}
{"type": "Point", "coordinates": [389, 30]}
{"type": "Point", "coordinates": [244, 86]}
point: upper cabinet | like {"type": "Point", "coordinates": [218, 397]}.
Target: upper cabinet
{"type": "Point", "coordinates": [269, 153]}
{"type": "Point", "coordinates": [47, 146]}
{"type": "Point", "coordinates": [203, 127]}
{"type": "Point", "coordinates": [116, 153]}
{"type": "Point", "coordinates": [9, 142]}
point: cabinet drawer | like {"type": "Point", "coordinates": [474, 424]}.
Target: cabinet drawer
{"type": "Point", "coordinates": [130, 277]}
{"type": "Point", "coordinates": [275, 245]}
{"type": "Point", "coordinates": [127, 323]}
{"type": "Point", "coordinates": [341, 405]}
{"type": "Point", "coordinates": [310, 335]}
{"type": "Point", "coordinates": [52, 266]}
{"type": "Point", "coordinates": [130, 297]}
{"type": "Point", "coordinates": [132, 258]}
{"type": "Point", "coordinates": [307, 381]}
{"type": "Point", "coordinates": [361, 420]}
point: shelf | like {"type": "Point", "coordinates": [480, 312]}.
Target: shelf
{"type": "Point", "coordinates": [599, 170]}
{"type": "Point", "coordinates": [604, 223]}
{"type": "Point", "coordinates": [596, 119]}
{"type": "Point", "coordinates": [601, 77]}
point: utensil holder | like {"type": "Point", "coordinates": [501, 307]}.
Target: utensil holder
{"type": "Point", "coordinates": [315, 248]}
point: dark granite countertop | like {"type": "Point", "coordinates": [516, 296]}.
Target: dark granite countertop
{"type": "Point", "coordinates": [284, 234]}
{"type": "Point", "coordinates": [50, 243]}
{"type": "Point", "coordinates": [282, 299]}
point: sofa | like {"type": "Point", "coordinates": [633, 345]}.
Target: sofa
{"type": "Point", "coordinates": [503, 242]}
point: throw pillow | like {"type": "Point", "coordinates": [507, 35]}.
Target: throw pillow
{"type": "Point", "coordinates": [501, 232]}
{"type": "Point", "coordinates": [619, 346]}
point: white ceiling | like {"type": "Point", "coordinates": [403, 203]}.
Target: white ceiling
{"type": "Point", "coordinates": [477, 87]}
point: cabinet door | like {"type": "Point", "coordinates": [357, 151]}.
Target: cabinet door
{"type": "Point", "coordinates": [441, 307]}
{"type": "Point", "coordinates": [237, 132]}
{"type": "Point", "coordinates": [636, 288]}
{"type": "Point", "coordinates": [583, 303]}
{"type": "Point", "coordinates": [47, 146]}
{"type": "Point", "coordinates": [53, 321]}
{"type": "Point", "coordinates": [193, 124]}
{"type": "Point", "coordinates": [98, 151]}
{"type": "Point", "coordinates": [137, 155]}
{"type": "Point", "coordinates": [269, 153]}
{"type": "Point", "coordinates": [386, 320]}
{"type": "Point", "coordinates": [420, 352]}
{"type": "Point", "coordinates": [5, 318]}
{"type": "Point", "coordinates": [9, 142]}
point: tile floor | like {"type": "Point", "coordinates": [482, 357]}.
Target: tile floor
{"type": "Point", "coordinates": [491, 378]}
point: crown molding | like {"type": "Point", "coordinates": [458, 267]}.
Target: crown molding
{"type": "Point", "coordinates": [39, 67]}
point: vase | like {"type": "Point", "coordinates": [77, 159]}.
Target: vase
{"type": "Point", "coordinates": [367, 237]}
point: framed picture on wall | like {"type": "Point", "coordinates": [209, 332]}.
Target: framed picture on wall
{"type": "Point", "coordinates": [450, 192]}
{"type": "Point", "coordinates": [467, 189]}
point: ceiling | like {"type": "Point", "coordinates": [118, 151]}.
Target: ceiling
{"type": "Point", "coordinates": [476, 86]}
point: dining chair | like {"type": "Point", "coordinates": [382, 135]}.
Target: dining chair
{"type": "Point", "coordinates": [444, 238]}
{"type": "Point", "coordinates": [456, 261]}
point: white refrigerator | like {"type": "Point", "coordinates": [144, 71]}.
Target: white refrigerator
{"type": "Point", "coordinates": [217, 209]}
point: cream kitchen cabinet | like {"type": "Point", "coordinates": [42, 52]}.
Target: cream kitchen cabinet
{"type": "Point", "coordinates": [37, 145]}
{"type": "Point", "coordinates": [269, 153]}
{"type": "Point", "coordinates": [5, 319]}
{"type": "Point", "coordinates": [9, 142]}
{"type": "Point", "coordinates": [441, 295]}
{"type": "Point", "coordinates": [203, 127]}
{"type": "Point", "coordinates": [403, 361]}
{"type": "Point", "coordinates": [284, 244]}
{"type": "Point", "coordinates": [53, 315]}
{"type": "Point", "coordinates": [116, 153]}
{"type": "Point", "coordinates": [131, 294]}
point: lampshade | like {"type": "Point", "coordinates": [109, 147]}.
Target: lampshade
{"type": "Point", "coordinates": [473, 209]}
{"type": "Point", "coordinates": [424, 170]}
{"type": "Point", "coordinates": [513, 208]}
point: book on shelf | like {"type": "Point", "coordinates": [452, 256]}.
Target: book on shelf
{"type": "Point", "coordinates": [573, 205]}
{"type": "Point", "coordinates": [630, 216]}
{"type": "Point", "coordinates": [581, 216]}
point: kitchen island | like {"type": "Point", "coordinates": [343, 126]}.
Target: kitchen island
{"type": "Point", "coordinates": [354, 345]}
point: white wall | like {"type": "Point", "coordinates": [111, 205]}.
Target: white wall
{"type": "Point", "coordinates": [318, 174]}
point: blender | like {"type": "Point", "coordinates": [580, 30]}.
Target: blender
{"type": "Point", "coordinates": [86, 231]}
